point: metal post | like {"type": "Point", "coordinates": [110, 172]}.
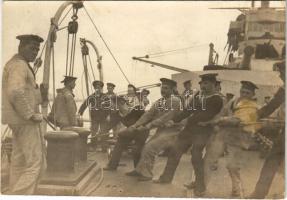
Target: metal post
{"type": "Point", "coordinates": [210, 57]}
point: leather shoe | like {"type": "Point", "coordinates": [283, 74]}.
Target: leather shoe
{"type": "Point", "coordinates": [133, 173]}
{"type": "Point", "coordinates": [161, 181]}
{"type": "Point", "coordinates": [109, 168]}
{"type": "Point", "coordinates": [144, 178]}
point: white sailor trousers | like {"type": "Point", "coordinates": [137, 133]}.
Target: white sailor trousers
{"type": "Point", "coordinates": [162, 140]}
{"type": "Point", "coordinates": [27, 161]}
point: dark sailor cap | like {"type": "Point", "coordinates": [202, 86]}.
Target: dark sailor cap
{"type": "Point", "coordinates": [26, 38]}
{"type": "Point", "coordinates": [134, 87]}
{"type": "Point", "coordinates": [186, 82]}
{"type": "Point", "coordinates": [68, 79]}
{"type": "Point", "coordinates": [166, 81]}
{"type": "Point", "coordinates": [249, 85]}
{"type": "Point", "coordinates": [111, 84]}
{"type": "Point", "coordinates": [100, 83]}
{"type": "Point", "coordinates": [208, 77]}
{"type": "Point", "coordinates": [146, 91]}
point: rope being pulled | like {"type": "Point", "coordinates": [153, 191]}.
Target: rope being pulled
{"type": "Point", "coordinates": [106, 45]}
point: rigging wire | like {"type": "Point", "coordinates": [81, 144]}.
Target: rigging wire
{"type": "Point", "coordinates": [89, 78]}
{"type": "Point", "coordinates": [72, 58]}
{"type": "Point", "coordinates": [84, 57]}
{"type": "Point", "coordinates": [133, 71]}
{"type": "Point", "coordinates": [60, 29]}
{"type": "Point", "coordinates": [82, 87]}
{"type": "Point", "coordinates": [91, 67]}
{"type": "Point", "coordinates": [65, 16]}
{"type": "Point", "coordinates": [42, 51]}
{"type": "Point", "coordinates": [67, 55]}
{"type": "Point", "coordinates": [54, 92]}
{"type": "Point", "coordinates": [73, 64]}
{"type": "Point", "coordinates": [106, 45]}
{"type": "Point", "coordinates": [174, 50]}
{"type": "Point", "coordinates": [35, 69]}
{"type": "Point", "coordinates": [171, 53]}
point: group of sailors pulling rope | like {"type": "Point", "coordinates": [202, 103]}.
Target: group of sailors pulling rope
{"type": "Point", "coordinates": [202, 120]}
{"type": "Point", "coordinates": [205, 121]}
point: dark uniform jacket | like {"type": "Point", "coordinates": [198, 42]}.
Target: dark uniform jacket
{"type": "Point", "coordinates": [106, 102]}
{"type": "Point", "coordinates": [64, 109]}
{"type": "Point", "coordinates": [275, 103]}
{"type": "Point", "coordinates": [94, 102]}
{"type": "Point", "coordinates": [202, 109]}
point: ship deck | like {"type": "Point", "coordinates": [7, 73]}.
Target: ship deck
{"type": "Point", "coordinates": [117, 184]}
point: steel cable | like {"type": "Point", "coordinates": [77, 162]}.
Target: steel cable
{"type": "Point", "coordinates": [106, 45]}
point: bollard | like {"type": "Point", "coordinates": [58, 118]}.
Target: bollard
{"type": "Point", "coordinates": [61, 151]}
{"type": "Point", "coordinates": [81, 148]}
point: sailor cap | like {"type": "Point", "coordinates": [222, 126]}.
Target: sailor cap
{"type": "Point", "coordinates": [100, 83]}
{"type": "Point", "coordinates": [30, 37]}
{"type": "Point", "coordinates": [166, 81]}
{"type": "Point", "coordinates": [248, 85]}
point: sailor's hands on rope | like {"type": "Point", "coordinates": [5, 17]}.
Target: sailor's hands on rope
{"type": "Point", "coordinates": [223, 121]}
{"type": "Point", "coordinates": [228, 121]}
{"type": "Point", "coordinates": [37, 117]}
{"type": "Point", "coordinates": [270, 123]}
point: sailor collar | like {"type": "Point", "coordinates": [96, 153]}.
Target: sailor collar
{"type": "Point", "coordinates": [18, 56]}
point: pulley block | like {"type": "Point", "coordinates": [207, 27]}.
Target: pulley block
{"type": "Point", "coordinates": [73, 27]}
{"type": "Point", "coordinates": [85, 50]}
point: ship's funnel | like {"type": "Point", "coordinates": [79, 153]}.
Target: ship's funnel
{"type": "Point", "coordinates": [265, 4]}
{"type": "Point", "coordinates": [248, 52]}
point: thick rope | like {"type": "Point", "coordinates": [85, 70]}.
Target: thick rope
{"type": "Point", "coordinates": [74, 51]}
{"type": "Point", "coordinates": [71, 55]}
{"type": "Point", "coordinates": [106, 45]}
{"type": "Point", "coordinates": [67, 55]}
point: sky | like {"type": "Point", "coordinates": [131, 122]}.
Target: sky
{"type": "Point", "coordinates": [130, 29]}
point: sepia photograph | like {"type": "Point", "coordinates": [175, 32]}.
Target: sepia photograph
{"type": "Point", "coordinates": [165, 99]}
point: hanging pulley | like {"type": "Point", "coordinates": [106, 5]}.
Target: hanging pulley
{"type": "Point", "coordinates": [85, 48]}
{"type": "Point", "coordinates": [85, 52]}
{"type": "Point", "coordinates": [73, 27]}
{"type": "Point", "coordinates": [72, 30]}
